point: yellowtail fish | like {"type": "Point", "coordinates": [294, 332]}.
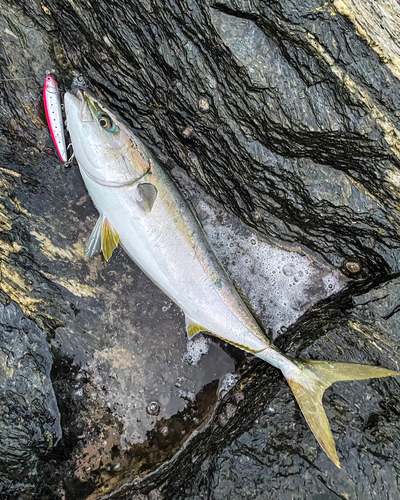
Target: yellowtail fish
{"type": "Point", "coordinates": [141, 207]}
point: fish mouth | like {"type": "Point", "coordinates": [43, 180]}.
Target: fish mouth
{"type": "Point", "coordinates": [85, 112]}
{"type": "Point", "coordinates": [90, 108]}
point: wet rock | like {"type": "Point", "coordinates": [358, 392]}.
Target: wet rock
{"type": "Point", "coordinates": [29, 417]}
{"type": "Point", "coordinates": [303, 107]}
{"type": "Point", "coordinates": [301, 141]}
{"type": "Point", "coordinates": [226, 414]}
{"type": "Point", "coordinates": [188, 133]}
{"type": "Point", "coordinates": [204, 105]}
{"type": "Point", "coordinates": [352, 267]}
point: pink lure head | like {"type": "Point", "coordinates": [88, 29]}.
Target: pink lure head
{"type": "Point", "coordinates": [50, 85]}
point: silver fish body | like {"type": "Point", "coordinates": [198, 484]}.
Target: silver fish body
{"type": "Point", "coordinates": [168, 243]}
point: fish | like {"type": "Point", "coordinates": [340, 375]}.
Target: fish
{"type": "Point", "coordinates": [52, 106]}
{"type": "Point", "coordinates": [141, 208]}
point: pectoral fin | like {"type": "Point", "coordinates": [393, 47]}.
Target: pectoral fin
{"type": "Point", "coordinates": [192, 327]}
{"type": "Point", "coordinates": [94, 243]}
{"type": "Point", "coordinates": [109, 239]}
{"type": "Point", "coordinates": [148, 192]}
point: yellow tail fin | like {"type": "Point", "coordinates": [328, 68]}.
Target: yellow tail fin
{"type": "Point", "coordinates": [308, 382]}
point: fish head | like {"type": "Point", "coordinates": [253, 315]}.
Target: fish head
{"type": "Point", "coordinates": [106, 149]}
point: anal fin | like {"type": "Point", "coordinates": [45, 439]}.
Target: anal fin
{"type": "Point", "coordinates": [192, 328]}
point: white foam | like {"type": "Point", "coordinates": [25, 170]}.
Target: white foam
{"type": "Point", "coordinates": [188, 395]}
{"type": "Point", "coordinates": [195, 349]}
{"type": "Point", "coordinates": [280, 284]}
{"type": "Point", "coordinates": [166, 307]}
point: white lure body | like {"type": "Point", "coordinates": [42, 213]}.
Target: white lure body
{"type": "Point", "coordinates": [52, 106]}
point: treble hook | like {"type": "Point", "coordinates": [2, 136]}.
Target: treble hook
{"type": "Point", "coordinates": [67, 164]}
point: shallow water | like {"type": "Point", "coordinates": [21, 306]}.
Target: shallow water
{"type": "Point", "coordinates": [136, 364]}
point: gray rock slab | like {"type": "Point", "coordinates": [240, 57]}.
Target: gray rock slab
{"type": "Point", "coordinates": [286, 115]}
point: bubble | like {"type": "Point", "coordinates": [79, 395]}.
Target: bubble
{"type": "Point", "coordinates": [352, 266]}
{"type": "Point", "coordinates": [289, 269]}
{"type": "Point", "coordinates": [153, 408]}
{"type": "Point", "coordinates": [253, 241]}
{"type": "Point", "coordinates": [331, 283]}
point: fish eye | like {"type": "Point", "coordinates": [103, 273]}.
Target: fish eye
{"type": "Point", "coordinates": [105, 122]}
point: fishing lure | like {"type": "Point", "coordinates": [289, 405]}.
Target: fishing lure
{"type": "Point", "coordinates": [52, 106]}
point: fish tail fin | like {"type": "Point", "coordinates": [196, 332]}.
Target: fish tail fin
{"type": "Point", "coordinates": [308, 381]}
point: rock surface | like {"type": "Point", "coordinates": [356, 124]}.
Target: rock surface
{"type": "Point", "coordinates": [286, 114]}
